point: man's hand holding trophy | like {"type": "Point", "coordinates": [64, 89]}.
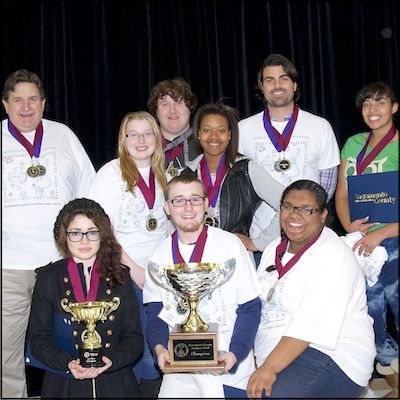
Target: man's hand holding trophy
{"type": "Point", "coordinates": [193, 343]}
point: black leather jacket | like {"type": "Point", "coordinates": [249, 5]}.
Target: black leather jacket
{"type": "Point", "coordinates": [238, 199]}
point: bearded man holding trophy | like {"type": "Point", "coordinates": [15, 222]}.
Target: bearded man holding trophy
{"type": "Point", "coordinates": [201, 297]}
{"type": "Point", "coordinates": [84, 327]}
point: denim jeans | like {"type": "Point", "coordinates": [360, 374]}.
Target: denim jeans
{"type": "Point", "coordinates": [313, 374]}
{"type": "Point", "coordinates": [383, 294]}
{"type": "Point", "coordinates": [145, 367]}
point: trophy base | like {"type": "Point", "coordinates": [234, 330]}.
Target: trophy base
{"type": "Point", "coordinates": [171, 369]}
{"type": "Point", "coordinates": [193, 351]}
{"type": "Point", "coordinates": [91, 358]}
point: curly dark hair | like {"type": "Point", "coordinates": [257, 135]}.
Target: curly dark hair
{"type": "Point", "coordinates": [22, 75]}
{"type": "Point", "coordinates": [231, 115]}
{"type": "Point", "coordinates": [109, 254]}
{"type": "Point", "coordinates": [177, 88]}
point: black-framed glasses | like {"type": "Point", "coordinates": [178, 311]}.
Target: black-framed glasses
{"type": "Point", "coordinates": [76, 236]}
{"type": "Point", "coordinates": [287, 207]}
{"type": "Point", "coordinates": [181, 202]}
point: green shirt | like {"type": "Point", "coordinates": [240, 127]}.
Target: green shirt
{"type": "Point", "coordinates": [386, 161]}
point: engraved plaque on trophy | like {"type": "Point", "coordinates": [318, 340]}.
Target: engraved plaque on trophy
{"type": "Point", "coordinates": [91, 312]}
{"type": "Point", "coordinates": [193, 343]}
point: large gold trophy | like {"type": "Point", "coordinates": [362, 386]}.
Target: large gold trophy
{"type": "Point", "coordinates": [193, 343]}
{"type": "Point", "coordinates": [91, 312]}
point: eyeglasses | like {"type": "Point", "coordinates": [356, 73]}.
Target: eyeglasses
{"type": "Point", "coordinates": [287, 207]}
{"type": "Point", "coordinates": [136, 135]}
{"type": "Point", "coordinates": [181, 202]}
{"type": "Point", "coordinates": [76, 236]}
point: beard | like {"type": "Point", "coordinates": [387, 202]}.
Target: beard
{"type": "Point", "coordinates": [282, 101]}
{"type": "Point", "coordinates": [189, 226]}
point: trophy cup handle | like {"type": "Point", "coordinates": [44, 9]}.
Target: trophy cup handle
{"type": "Point", "coordinates": [64, 305]}
{"type": "Point", "coordinates": [159, 277]}
{"type": "Point", "coordinates": [225, 273]}
{"type": "Point", "coordinates": [114, 305]}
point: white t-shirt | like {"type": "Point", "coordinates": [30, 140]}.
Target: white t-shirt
{"type": "Point", "coordinates": [243, 286]}
{"type": "Point", "coordinates": [312, 148]}
{"type": "Point", "coordinates": [129, 212]}
{"type": "Point", "coordinates": [30, 205]}
{"type": "Point", "coordinates": [321, 300]}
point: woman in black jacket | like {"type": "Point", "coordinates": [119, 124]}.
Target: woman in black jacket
{"type": "Point", "coordinates": [235, 185]}
{"type": "Point", "coordinates": [91, 271]}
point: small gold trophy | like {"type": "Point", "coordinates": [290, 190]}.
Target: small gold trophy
{"type": "Point", "coordinates": [192, 344]}
{"type": "Point", "coordinates": [91, 312]}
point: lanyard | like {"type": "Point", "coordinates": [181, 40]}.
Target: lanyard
{"type": "Point", "coordinates": [361, 163]}
{"type": "Point", "coordinates": [280, 250]}
{"type": "Point", "coordinates": [149, 192]}
{"type": "Point", "coordinates": [33, 150]}
{"type": "Point", "coordinates": [77, 284]}
{"type": "Point", "coordinates": [198, 250]}
{"type": "Point", "coordinates": [213, 189]}
{"type": "Point", "coordinates": [280, 142]}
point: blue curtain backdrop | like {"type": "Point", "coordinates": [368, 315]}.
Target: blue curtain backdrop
{"type": "Point", "coordinates": [99, 59]}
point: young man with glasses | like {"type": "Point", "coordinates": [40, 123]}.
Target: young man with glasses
{"type": "Point", "coordinates": [234, 305]}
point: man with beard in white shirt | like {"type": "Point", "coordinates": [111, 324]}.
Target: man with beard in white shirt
{"type": "Point", "coordinates": [288, 142]}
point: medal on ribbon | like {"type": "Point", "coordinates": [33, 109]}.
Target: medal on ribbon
{"type": "Point", "coordinates": [279, 141]}
{"type": "Point", "coordinates": [171, 170]}
{"type": "Point", "coordinates": [151, 223]}
{"type": "Point", "coordinates": [210, 219]}
{"type": "Point", "coordinates": [34, 170]}
{"type": "Point", "coordinates": [149, 194]}
{"type": "Point", "coordinates": [77, 284]}
{"type": "Point", "coordinates": [282, 165]}
{"type": "Point", "coordinates": [212, 189]}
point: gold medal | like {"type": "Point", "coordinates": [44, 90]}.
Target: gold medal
{"type": "Point", "coordinates": [210, 220]}
{"type": "Point", "coordinates": [151, 223]}
{"type": "Point", "coordinates": [33, 171]}
{"type": "Point", "coordinates": [282, 165]}
{"type": "Point", "coordinates": [172, 171]}
{"type": "Point", "coordinates": [42, 170]}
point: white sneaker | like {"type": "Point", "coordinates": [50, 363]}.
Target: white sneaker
{"type": "Point", "coordinates": [384, 370]}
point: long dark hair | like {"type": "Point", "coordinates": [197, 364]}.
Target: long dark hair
{"type": "Point", "coordinates": [109, 254]}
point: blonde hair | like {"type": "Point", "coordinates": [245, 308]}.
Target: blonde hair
{"type": "Point", "coordinates": [128, 166]}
